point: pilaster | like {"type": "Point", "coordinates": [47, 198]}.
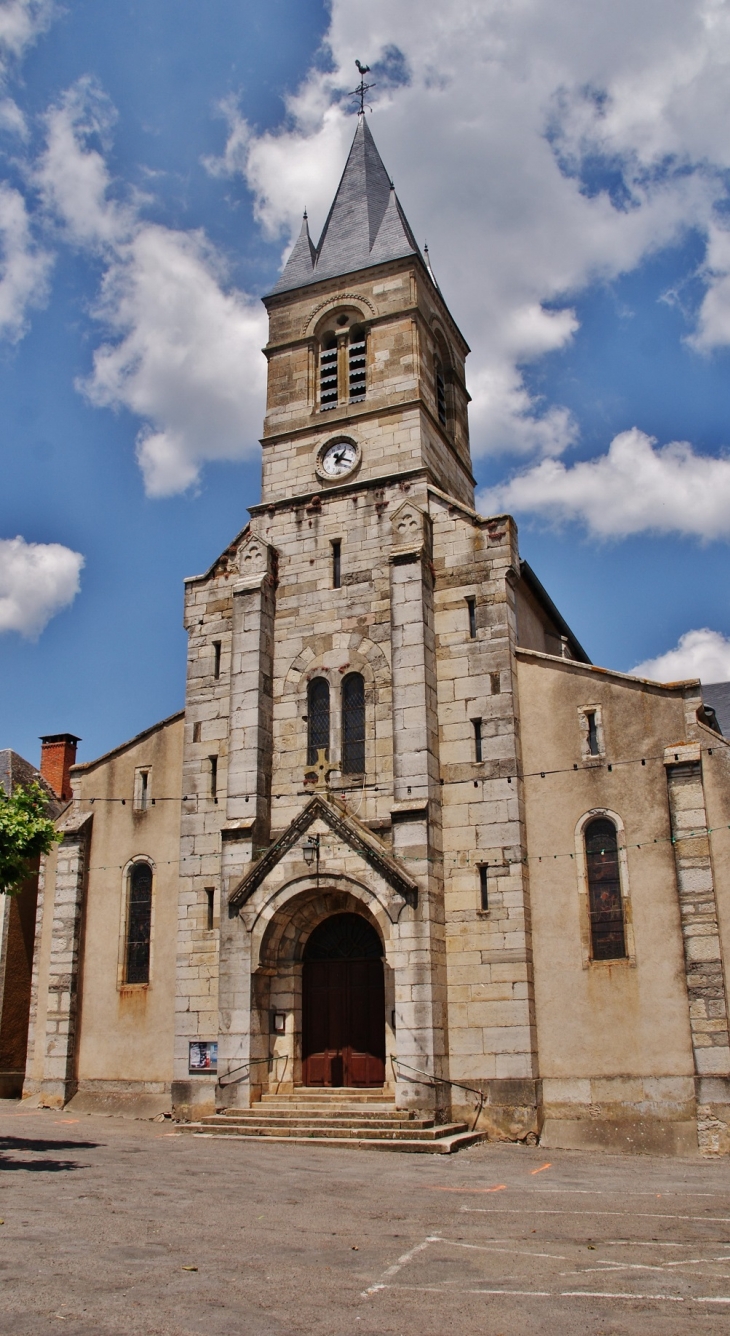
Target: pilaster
{"type": "Point", "coordinates": [706, 991]}
{"type": "Point", "coordinates": [64, 970]}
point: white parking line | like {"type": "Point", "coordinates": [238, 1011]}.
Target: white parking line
{"type": "Point", "coordinates": [401, 1262]}
{"type": "Point", "coordinates": [646, 1215]}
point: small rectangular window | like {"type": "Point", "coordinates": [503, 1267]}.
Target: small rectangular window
{"type": "Point", "coordinates": [477, 725]}
{"type": "Point", "coordinates": [495, 683]}
{"type": "Point", "coordinates": [593, 748]}
{"type": "Point", "coordinates": [142, 789]}
{"type": "Point", "coordinates": [471, 604]}
{"type": "Point", "coordinates": [336, 563]}
{"type": "Point", "coordinates": [483, 888]}
{"type": "Point", "coordinates": [213, 777]}
{"type": "Point", "coordinates": [196, 732]}
{"type": "Point", "coordinates": [210, 905]}
{"type": "Point", "coordinates": [216, 659]}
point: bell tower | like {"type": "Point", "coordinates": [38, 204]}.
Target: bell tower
{"type": "Point", "coordinates": [363, 350]}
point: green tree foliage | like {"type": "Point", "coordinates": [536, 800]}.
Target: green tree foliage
{"type": "Point", "coordinates": [26, 831]}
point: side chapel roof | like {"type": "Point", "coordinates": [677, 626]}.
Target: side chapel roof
{"type": "Point", "coordinates": [365, 226]}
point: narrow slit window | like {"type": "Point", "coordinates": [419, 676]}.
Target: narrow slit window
{"type": "Point", "coordinates": [213, 777]}
{"type": "Point", "coordinates": [196, 731]}
{"type": "Point", "coordinates": [142, 790]}
{"type": "Point", "coordinates": [477, 726]}
{"type": "Point", "coordinates": [209, 906]}
{"type": "Point", "coordinates": [440, 392]}
{"type": "Point", "coordinates": [483, 888]}
{"type": "Point", "coordinates": [216, 659]}
{"type": "Point", "coordinates": [336, 563]}
{"type": "Point", "coordinates": [608, 936]}
{"type": "Point", "coordinates": [318, 719]}
{"type": "Point", "coordinates": [471, 604]}
{"type": "Point", "coordinates": [353, 724]}
{"type": "Point", "coordinates": [328, 393]}
{"type": "Point", "coordinates": [357, 364]}
{"type": "Point", "coordinates": [593, 747]}
{"type": "Point", "coordinates": [495, 682]}
{"type": "Point", "coordinates": [139, 924]}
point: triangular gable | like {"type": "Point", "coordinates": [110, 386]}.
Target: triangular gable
{"type": "Point", "coordinates": [350, 831]}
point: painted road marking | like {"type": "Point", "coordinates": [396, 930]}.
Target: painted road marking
{"type": "Point", "coordinates": [401, 1262]}
{"type": "Point", "coordinates": [648, 1215]}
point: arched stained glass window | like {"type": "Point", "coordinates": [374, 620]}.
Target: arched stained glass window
{"type": "Point", "coordinates": [608, 937]}
{"type": "Point", "coordinates": [318, 719]}
{"type": "Point", "coordinates": [353, 724]}
{"type": "Point", "coordinates": [139, 923]}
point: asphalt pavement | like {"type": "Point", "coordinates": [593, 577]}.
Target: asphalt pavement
{"type": "Point", "coordinates": [112, 1226]}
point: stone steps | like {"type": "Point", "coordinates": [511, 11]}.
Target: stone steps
{"type": "Point", "coordinates": [346, 1118]}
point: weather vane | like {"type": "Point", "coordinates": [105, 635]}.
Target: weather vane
{"type": "Point", "coordinates": [362, 88]}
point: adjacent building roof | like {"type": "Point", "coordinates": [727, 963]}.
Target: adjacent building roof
{"type": "Point", "coordinates": [15, 770]}
{"type": "Point", "coordinates": [365, 226]}
{"type": "Point", "coordinates": [717, 696]}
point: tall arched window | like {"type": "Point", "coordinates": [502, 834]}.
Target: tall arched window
{"type": "Point", "coordinates": [356, 364]}
{"type": "Point", "coordinates": [328, 393]}
{"type": "Point", "coordinates": [139, 923]}
{"type": "Point", "coordinates": [353, 724]}
{"type": "Point", "coordinates": [318, 719]}
{"type": "Point", "coordinates": [608, 937]}
{"type": "Point", "coordinates": [440, 391]}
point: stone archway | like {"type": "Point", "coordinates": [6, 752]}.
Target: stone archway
{"type": "Point", "coordinates": [277, 990]}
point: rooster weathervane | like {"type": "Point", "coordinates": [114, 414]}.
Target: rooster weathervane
{"type": "Point", "coordinates": [362, 88]}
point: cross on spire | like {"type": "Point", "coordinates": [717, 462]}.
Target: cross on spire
{"type": "Point", "coordinates": [362, 87]}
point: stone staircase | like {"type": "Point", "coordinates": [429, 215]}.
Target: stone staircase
{"type": "Point", "coordinates": [363, 1119]}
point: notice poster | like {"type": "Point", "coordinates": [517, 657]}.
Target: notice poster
{"type": "Point", "coordinates": [203, 1056]}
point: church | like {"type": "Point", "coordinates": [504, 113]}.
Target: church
{"type": "Point", "coordinates": [406, 850]}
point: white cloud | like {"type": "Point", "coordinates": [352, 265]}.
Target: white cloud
{"type": "Point", "coordinates": [185, 349]}
{"type": "Point", "coordinates": [703, 653]}
{"type": "Point", "coordinates": [634, 488]}
{"type": "Point", "coordinates": [24, 266]}
{"type": "Point", "coordinates": [37, 580]}
{"type": "Point", "coordinates": [21, 22]}
{"type": "Point", "coordinates": [506, 106]}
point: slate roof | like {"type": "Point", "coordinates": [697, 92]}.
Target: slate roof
{"type": "Point", "coordinates": [717, 694]}
{"type": "Point", "coordinates": [365, 226]}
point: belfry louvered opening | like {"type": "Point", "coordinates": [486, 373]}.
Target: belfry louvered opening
{"type": "Point", "coordinates": [328, 394]}
{"type": "Point", "coordinates": [357, 364]}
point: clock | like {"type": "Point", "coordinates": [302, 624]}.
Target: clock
{"type": "Point", "coordinates": [337, 459]}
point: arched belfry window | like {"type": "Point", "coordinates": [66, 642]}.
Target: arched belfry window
{"type": "Point", "coordinates": [353, 724]}
{"type": "Point", "coordinates": [318, 719]}
{"type": "Point", "coordinates": [328, 393]}
{"type": "Point", "coordinates": [605, 904]}
{"type": "Point", "coordinates": [139, 923]}
{"type": "Point", "coordinates": [356, 364]}
{"type": "Point", "coordinates": [440, 380]}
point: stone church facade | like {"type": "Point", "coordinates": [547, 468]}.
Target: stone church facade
{"type": "Point", "coordinates": [392, 745]}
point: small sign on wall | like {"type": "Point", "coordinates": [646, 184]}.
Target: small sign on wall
{"type": "Point", "coordinates": [203, 1056]}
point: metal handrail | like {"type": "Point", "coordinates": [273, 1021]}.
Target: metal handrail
{"type": "Point", "coordinates": [434, 1081]}
{"type": "Point", "coordinates": [245, 1066]}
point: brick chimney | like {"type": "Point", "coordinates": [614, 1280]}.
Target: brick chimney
{"type": "Point", "coordinates": [58, 754]}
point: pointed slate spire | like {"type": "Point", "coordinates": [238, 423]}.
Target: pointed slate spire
{"type": "Point", "coordinates": [365, 225]}
{"type": "Point", "coordinates": [299, 267]}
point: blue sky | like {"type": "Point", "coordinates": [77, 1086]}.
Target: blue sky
{"type": "Point", "coordinates": [154, 160]}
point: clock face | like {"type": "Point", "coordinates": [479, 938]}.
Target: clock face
{"type": "Point", "coordinates": [339, 458]}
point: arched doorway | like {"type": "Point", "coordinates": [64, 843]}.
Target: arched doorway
{"type": "Point", "coordinates": [343, 1004]}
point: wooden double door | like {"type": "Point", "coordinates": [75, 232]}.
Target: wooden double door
{"type": "Point", "coordinates": [343, 1005]}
